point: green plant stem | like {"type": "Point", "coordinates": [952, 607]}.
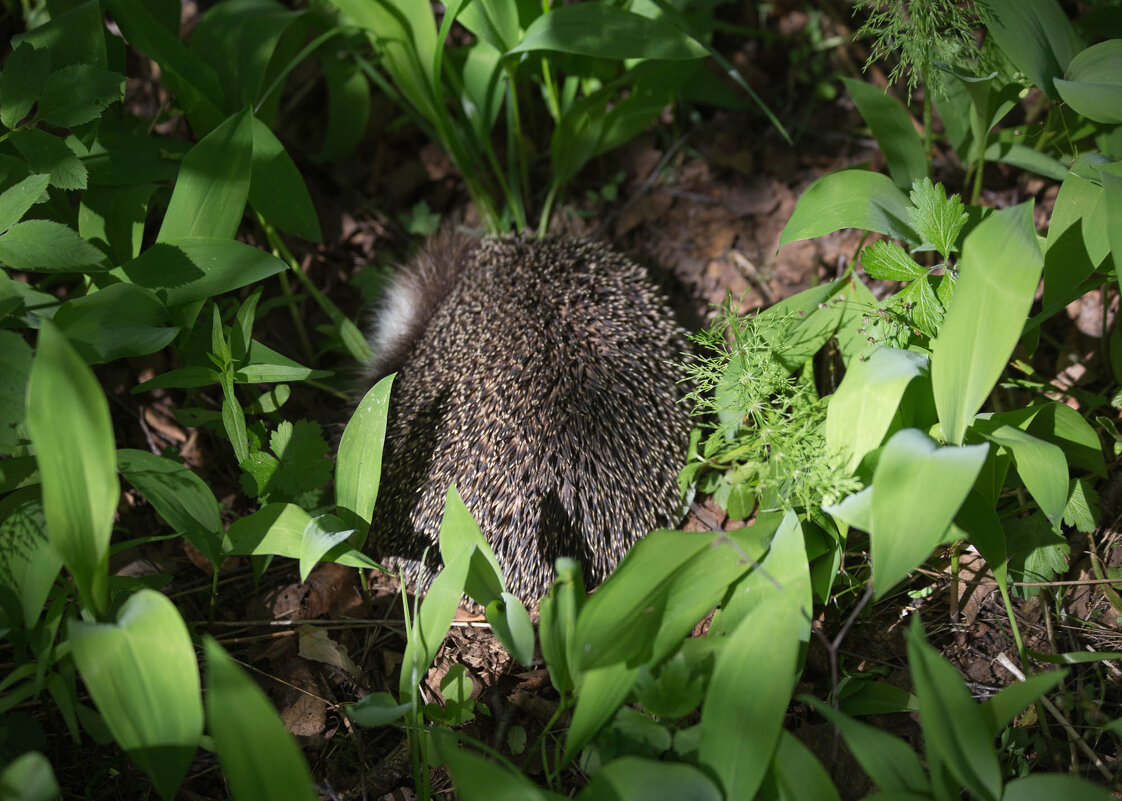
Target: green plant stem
{"type": "Point", "coordinates": [516, 139]}
{"type": "Point", "coordinates": [547, 208]}
{"type": "Point", "coordinates": [928, 133]}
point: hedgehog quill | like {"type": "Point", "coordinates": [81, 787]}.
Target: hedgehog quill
{"type": "Point", "coordinates": [536, 375]}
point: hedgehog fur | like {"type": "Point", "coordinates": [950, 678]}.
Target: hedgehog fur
{"type": "Point", "coordinates": [535, 374]}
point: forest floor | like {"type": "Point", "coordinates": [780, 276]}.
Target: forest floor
{"type": "Point", "coordinates": [702, 205]}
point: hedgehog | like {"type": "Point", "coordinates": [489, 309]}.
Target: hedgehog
{"type": "Point", "coordinates": [537, 375]}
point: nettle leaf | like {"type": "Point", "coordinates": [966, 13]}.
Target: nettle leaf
{"type": "Point", "coordinates": [936, 218]}
{"type": "Point", "coordinates": [302, 452]}
{"type": "Point", "coordinates": [1082, 510]}
{"type": "Point", "coordinates": [46, 246]}
{"type": "Point", "coordinates": [25, 72]}
{"type": "Point", "coordinates": [1036, 552]}
{"type": "Point", "coordinates": [49, 154]}
{"type": "Point", "coordinates": [923, 306]}
{"type": "Point", "coordinates": [887, 261]}
{"type": "Point", "coordinates": [78, 94]}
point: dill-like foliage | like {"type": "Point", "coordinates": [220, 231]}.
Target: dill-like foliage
{"type": "Point", "coordinates": [921, 33]}
{"type": "Point", "coordinates": [763, 428]}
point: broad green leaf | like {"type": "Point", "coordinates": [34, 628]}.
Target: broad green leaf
{"type": "Point", "coordinates": [28, 563]}
{"type": "Point", "coordinates": [1036, 35]}
{"type": "Point", "coordinates": [233, 416]}
{"type": "Point", "coordinates": [239, 40]}
{"type": "Point", "coordinates": [46, 153]}
{"type": "Point", "coordinates": [184, 378]}
{"type": "Point", "coordinates": [676, 691]}
{"type": "Point", "coordinates": [935, 217]}
{"type": "Point", "coordinates": [376, 709]}
{"type": "Point", "coordinates": [405, 34]}
{"type": "Point", "coordinates": [785, 564]}
{"type": "Point", "coordinates": [321, 534]}
{"type": "Point", "coordinates": [16, 200]}
{"type": "Point", "coordinates": [1111, 177]}
{"type": "Point", "coordinates": [358, 466]}
{"type": "Point", "coordinates": [1061, 425]}
{"type": "Point", "coordinates": [619, 622]}
{"type": "Point", "coordinates": [276, 189]}
{"type": "Point", "coordinates": [1037, 552]}
{"type": "Point", "coordinates": [68, 420]}
{"type": "Point", "coordinates": [1078, 237]}
{"type": "Point", "coordinates": [29, 777]}
{"type": "Point", "coordinates": [432, 622]}
{"type": "Point", "coordinates": [462, 541]}
{"type": "Point", "coordinates": [142, 674]}
{"type": "Point", "coordinates": [511, 625]}
{"type": "Point", "coordinates": [258, 755]}
{"type": "Point", "coordinates": [1093, 86]}
{"type": "Point", "coordinates": [850, 199]}
{"type": "Point", "coordinates": [1081, 512]}
{"type": "Point", "coordinates": [602, 690]}
{"type": "Point", "coordinates": [44, 246]}
{"type": "Point", "coordinates": [179, 496]}
{"type": "Point", "coordinates": [889, 761]}
{"type": "Point", "coordinates": [213, 184]}
{"type": "Point", "coordinates": [954, 727]}
{"type": "Point", "coordinates": [741, 729]}
{"type": "Point", "coordinates": [1041, 466]}
{"type": "Point", "coordinates": [633, 778]}
{"type": "Point", "coordinates": [862, 409]}
{"type": "Point", "coordinates": [119, 321]}
{"type": "Point", "coordinates": [479, 779]}
{"type": "Point", "coordinates": [485, 84]}
{"type": "Point", "coordinates": [796, 773]}
{"type": "Point", "coordinates": [348, 107]}
{"type": "Point", "coordinates": [558, 623]}
{"type": "Point", "coordinates": [888, 261]}
{"type": "Point", "coordinates": [113, 217]}
{"type": "Point", "coordinates": [15, 367]}
{"type": "Point", "coordinates": [1052, 786]}
{"type": "Point", "coordinates": [185, 270]}
{"type": "Point", "coordinates": [603, 31]}
{"type": "Point", "coordinates": [1010, 701]}
{"type": "Point", "coordinates": [1024, 157]}
{"type": "Point", "coordinates": [117, 158]}
{"type": "Point", "coordinates": [199, 89]}
{"type": "Point", "coordinates": [278, 529]}
{"type": "Point", "coordinates": [998, 276]}
{"type": "Point", "coordinates": [493, 21]}
{"type": "Point", "coordinates": [74, 36]}
{"type": "Point", "coordinates": [77, 94]}
{"type": "Point", "coordinates": [913, 473]}
{"type": "Point", "coordinates": [893, 129]}
{"type": "Point", "coordinates": [263, 364]}
{"type": "Point", "coordinates": [855, 510]}
{"type": "Point", "coordinates": [25, 74]}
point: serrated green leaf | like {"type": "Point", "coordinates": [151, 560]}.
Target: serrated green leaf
{"type": "Point", "coordinates": [25, 74]}
{"type": "Point", "coordinates": [302, 453]}
{"type": "Point", "coordinates": [186, 270]}
{"type": "Point", "coordinates": [48, 154]}
{"type": "Point", "coordinates": [16, 200]}
{"type": "Point", "coordinates": [922, 306]}
{"type": "Point", "coordinates": [44, 246]}
{"type": "Point", "coordinates": [79, 93]}
{"type": "Point", "coordinates": [888, 261]}
{"type": "Point", "coordinates": [29, 565]}
{"type": "Point", "coordinates": [1036, 551]}
{"type": "Point", "coordinates": [935, 217]}
{"type": "Point", "coordinates": [1082, 510]}
{"type": "Point", "coordinates": [15, 366]}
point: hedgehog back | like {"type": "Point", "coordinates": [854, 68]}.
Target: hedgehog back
{"type": "Point", "coordinates": [540, 386]}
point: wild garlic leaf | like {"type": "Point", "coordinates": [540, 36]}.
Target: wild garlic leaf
{"type": "Point", "coordinates": [922, 306]}
{"type": "Point", "coordinates": [890, 262]}
{"type": "Point", "coordinates": [935, 217]}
